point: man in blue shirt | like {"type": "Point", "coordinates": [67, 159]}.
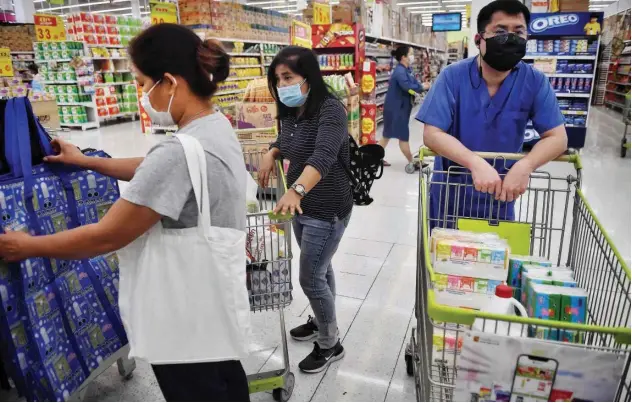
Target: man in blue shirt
{"type": "Point", "coordinates": [483, 104]}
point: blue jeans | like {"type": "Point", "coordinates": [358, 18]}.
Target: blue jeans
{"type": "Point", "coordinates": [318, 241]}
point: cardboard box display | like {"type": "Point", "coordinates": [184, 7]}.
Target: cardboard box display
{"type": "Point", "coordinates": [574, 5]}
{"type": "Point", "coordinates": [252, 115]}
{"type": "Point", "coordinates": [46, 112]}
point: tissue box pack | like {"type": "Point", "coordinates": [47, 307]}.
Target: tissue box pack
{"type": "Point", "coordinates": [61, 368]}
{"type": "Point", "coordinates": [516, 262]}
{"type": "Point", "coordinates": [573, 309]}
{"type": "Point", "coordinates": [90, 322]}
{"type": "Point", "coordinates": [463, 291]}
{"type": "Point", "coordinates": [539, 271]}
{"type": "Point", "coordinates": [561, 278]}
{"type": "Point", "coordinates": [544, 304]}
{"type": "Point", "coordinates": [471, 255]}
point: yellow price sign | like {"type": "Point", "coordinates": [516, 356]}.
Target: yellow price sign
{"type": "Point", "coordinates": [161, 12]}
{"type": "Point", "coordinates": [322, 14]}
{"type": "Point", "coordinates": [49, 28]}
{"type": "Point", "coordinates": [6, 66]}
{"type": "Point", "coordinates": [301, 34]}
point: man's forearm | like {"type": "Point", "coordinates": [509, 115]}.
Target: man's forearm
{"type": "Point", "coordinates": [118, 168]}
{"type": "Point", "coordinates": [450, 147]}
{"type": "Point", "coordinates": [551, 145]}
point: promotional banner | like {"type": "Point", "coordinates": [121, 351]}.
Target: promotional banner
{"type": "Point", "coordinates": [322, 13]}
{"type": "Point", "coordinates": [6, 66]}
{"type": "Point", "coordinates": [566, 24]}
{"type": "Point", "coordinates": [161, 12]}
{"type": "Point", "coordinates": [301, 34]}
{"type": "Point", "coordinates": [49, 28]}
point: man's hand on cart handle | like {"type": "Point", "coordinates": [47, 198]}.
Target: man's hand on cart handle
{"type": "Point", "coordinates": [516, 181]}
{"type": "Point", "coordinates": [486, 178]}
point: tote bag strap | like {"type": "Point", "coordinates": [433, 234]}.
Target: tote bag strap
{"type": "Point", "coordinates": [196, 162]}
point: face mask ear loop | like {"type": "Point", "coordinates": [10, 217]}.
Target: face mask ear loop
{"type": "Point", "coordinates": [171, 99]}
{"type": "Point", "coordinates": [154, 86]}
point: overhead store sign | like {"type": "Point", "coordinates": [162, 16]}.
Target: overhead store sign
{"type": "Point", "coordinates": [49, 28]}
{"type": "Point", "coordinates": [301, 34]}
{"type": "Point", "coordinates": [161, 12]}
{"type": "Point", "coordinates": [566, 24]}
{"type": "Point", "coordinates": [322, 14]}
{"type": "Point", "coordinates": [6, 66]}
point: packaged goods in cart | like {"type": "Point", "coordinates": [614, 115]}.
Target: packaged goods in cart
{"type": "Point", "coordinates": [556, 303]}
{"type": "Point", "coordinates": [502, 303]}
{"type": "Point", "coordinates": [516, 262]}
{"type": "Point", "coordinates": [536, 271]}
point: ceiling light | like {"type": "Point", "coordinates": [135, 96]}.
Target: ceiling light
{"type": "Point", "coordinates": [279, 7]}
{"type": "Point", "coordinates": [259, 3]}
{"type": "Point", "coordinates": [413, 3]}
{"type": "Point", "coordinates": [455, 1]}
{"type": "Point", "coordinates": [434, 8]}
{"type": "Point", "coordinates": [74, 6]}
{"type": "Point", "coordinates": [111, 9]}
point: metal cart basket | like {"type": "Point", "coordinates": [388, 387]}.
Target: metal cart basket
{"type": "Point", "coordinates": [563, 228]}
{"type": "Point", "coordinates": [268, 270]}
{"type": "Point", "coordinates": [625, 141]}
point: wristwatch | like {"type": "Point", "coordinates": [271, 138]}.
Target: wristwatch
{"type": "Point", "coordinates": [300, 189]}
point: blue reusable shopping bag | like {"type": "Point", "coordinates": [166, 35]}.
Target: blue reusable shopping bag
{"type": "Point", "coordinates": [45, 199]}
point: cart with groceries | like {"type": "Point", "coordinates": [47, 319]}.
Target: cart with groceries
{"type": "Point", "coordinates": [571, 342]}
{"type": "Point", "coordinates": [268, 238]}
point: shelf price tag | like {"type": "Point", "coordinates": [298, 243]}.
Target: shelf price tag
{"type": "Point", "coordinates": [161, 12]}
{"type": "Point", "coordinates": [6, 66]}
{"type": "Point", "coordinates": [49, 28]}
{"type": "Point", "coordinates": [322, 14]}
{"type": "Point", "coordinates": [301, 34]}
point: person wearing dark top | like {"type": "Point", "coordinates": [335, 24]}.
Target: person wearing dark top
{"type": "Point", "coordinates": [314, 138]}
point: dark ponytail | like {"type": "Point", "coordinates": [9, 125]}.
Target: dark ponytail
{"type": "Point", "coordinates": [400, 52]}
{"type": "Point", "coordinates": [174, 49]}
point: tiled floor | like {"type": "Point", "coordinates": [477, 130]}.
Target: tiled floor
{"type": "Point", "coordinates": [375, 268]}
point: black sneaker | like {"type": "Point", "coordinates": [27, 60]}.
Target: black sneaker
{"type": "Point", "coordinates": [305, 332]}
{"type": "Point", "coordinates": [318, 360]}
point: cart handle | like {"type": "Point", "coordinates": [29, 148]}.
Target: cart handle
{"type": "Point", "coordinates": [571, 158]}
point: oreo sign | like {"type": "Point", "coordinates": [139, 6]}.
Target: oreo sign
{"type": "Point", "coordinates": [557, 20]}
{"type": "Point", "coordinates": [564, 24]}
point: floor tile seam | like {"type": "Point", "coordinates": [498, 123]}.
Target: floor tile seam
{"type": "Point", "coordinates": [408, 329]}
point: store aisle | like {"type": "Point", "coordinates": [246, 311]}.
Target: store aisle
{"type": "Point", "coordinates": [375, 268]}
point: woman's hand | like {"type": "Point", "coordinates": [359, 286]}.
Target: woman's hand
{"type": "Point", "coordinates": [15, 246]}
{"type": "Point", "coordinates": [66, 153]}
{"type": "Point", "coordinates": [289, 203]}
{"type": "Point", "coordinates": [266, 168]}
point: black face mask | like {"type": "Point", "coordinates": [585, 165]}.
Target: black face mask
{"type": "Point", "coordinates": [504, 51]}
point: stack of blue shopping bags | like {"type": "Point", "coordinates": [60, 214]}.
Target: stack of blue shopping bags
{"type": "Point", "coordinates": [59, 319]}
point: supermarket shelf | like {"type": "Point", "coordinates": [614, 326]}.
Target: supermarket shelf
{"type": "Point", "coordinates": [113, 71]}
{"type": "Point", "coordinates": [22, 53]}
{"type": "Point", "coordinates": [379, 119]}
{"type": "Point", "coordinates": [119, 115]}
{"type": "Point", "coordinates": [242, 78]}
{"type": "Point", "coordinates": [82, 126]}
{"type": "Point", "coordinates": [617, 104]}
{"type": "Point", "coordinates": [86, 104]}
{"type": "Point", "coordinates": [54, 60]}
{"type": "Point", "coordinates": [570, 112]}
{"type": "Point", "coordinates": [266, 64]}
{"type": "Point", "coordinates": [229, 92]}
{"type": "Point", "coordinates": [245, 54]}
{"type": "Point", "coordinates": [108, 84]}
{"type": "Point", "coordinates": [572, 95]}
{"type": "Point", "coordinates": [336, 70]}
{"type": "Point", "coordinates": [569, 75]}
{"type": "Point", "coordinates": [108, 58]}
{"type": "Point", "coordinates": [93, 45]}
{"type": "Point", "coordinates": [574, 126]}
{"type": "Point", "coordinates": [416, 45]}
{"type": "Point", "coordinates": [22, 60]}
{"type": "Point", "coordinates": [384, 78]}
{"type": "Point", "coordinates": [381, 90]}
{"type": "Point", "coordinates": [60, 82]}
{"type": "Point", "coordinates": [617, 93]}
{"type": "Point", "coordinates": [249, 41]}
{"type": "Point", "coordinates": [618, 83]}
{"type": "Point", "coordinates": [243, 66]}
{"type": "Point", "coordinates": [378, 103]}
{"type": "Point", "coordinates": [538, 57]}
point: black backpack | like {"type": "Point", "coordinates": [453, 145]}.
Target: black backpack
{"type": "Point", "coordinates": [365, 162]}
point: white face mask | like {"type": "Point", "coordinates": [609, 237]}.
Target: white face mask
{"type": "Point", "coordinates": [160, 118]}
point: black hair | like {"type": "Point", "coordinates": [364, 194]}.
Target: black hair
{"type": "Point", "coordinates": [33, 68]}
{"type": "Point", "coordinates": [174, 49]}
{"type": "Point", "coordinates": [594, 15]}
{"type": "Point", "coordinates": [301, 61]}
{"type": "Point", "coordinates": [400, 52]}
{"type": "Point", "coordinates": [511, 7]}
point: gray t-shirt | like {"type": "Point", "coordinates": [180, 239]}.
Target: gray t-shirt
{"type": "Point", "coordinates": [163, 184]}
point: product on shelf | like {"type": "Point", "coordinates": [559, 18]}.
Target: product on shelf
{"type": "Point", "coordinates": [338, 61]}
{"type": "Point", "coordinates": [570, 47]}
{"type": "Point", "coordinates": [115, 100]}
{"type": "Point", "coordinates": [244, 61]}
{"type": "Point", "coordinates": [245, 72]}
{"type": "Point", "coordinates": [18, 38]}
{"type": "Point", "coordinates": [257, 91]}
{"type": "Point", "coordinates": [102, 29]}
{"type": "Point", "coordinates": [52, 51]}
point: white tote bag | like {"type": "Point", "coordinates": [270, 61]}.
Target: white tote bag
{"type": "Point", "coordinates": [183, 296]}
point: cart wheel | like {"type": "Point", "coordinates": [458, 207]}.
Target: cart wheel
{"type": "Point", "coordinates": [410, 168]}
{"type": "Point", "coordinates": [284, 394]}
{"type": "Point", "coordinates": [624, 151]}
{"type": "Point", "coordinates": [409, 364]}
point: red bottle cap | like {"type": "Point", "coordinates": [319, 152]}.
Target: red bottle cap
{"type": "Point", "coordinates": [504, 291]}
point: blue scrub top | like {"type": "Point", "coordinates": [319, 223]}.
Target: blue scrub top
{"type": "Point", "coordinates": [459, 104]}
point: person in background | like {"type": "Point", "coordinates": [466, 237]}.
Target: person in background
{"type": "Point", "coordinates": [593, 27]}
{"type": "Point", "coordinates": [399, 104]}
{"type": "Point", "coordinates": [37, 85]}
{"type": "Point", "coordinates": [483, 104]}
{"type": "Point", "coordinates": [314, 138]}
{"type": "Point", "coordinates": [178, 73]}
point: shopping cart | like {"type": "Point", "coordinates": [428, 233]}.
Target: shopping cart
{"type": "Point", "coordinates": [561, 227]}
{"type": "Point", "coordinates": [625, 142]}
{"type": "Point", "coordinates": [269, 250]}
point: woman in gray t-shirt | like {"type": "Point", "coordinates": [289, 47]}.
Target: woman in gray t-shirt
{"type": "Point", "coordinates": [178, 73]}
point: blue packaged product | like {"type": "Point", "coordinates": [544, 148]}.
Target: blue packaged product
{"type": "Point", "coordinates": [516, 262]}
{"type": "Point", "coordinates": [544, 304]}
{"type": "Point", "coordinates": [573, 86]}
{"type": "Point", "coordinates": [553, 81]}
{"type": "Point", "coordinates": [587, 84]}
{"type": "Point", "coordinates": [567, 84]}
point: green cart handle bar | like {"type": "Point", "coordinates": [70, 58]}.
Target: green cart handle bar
{"type": "Point", "coordinates": [463, 316]}
{"type": "Point", "coordinates": [571, 158]}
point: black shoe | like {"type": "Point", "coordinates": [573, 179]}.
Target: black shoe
{"type": "Point", "coordinates": [319, 359]}
{"type": "Point", "coordinates": [305, 332]}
